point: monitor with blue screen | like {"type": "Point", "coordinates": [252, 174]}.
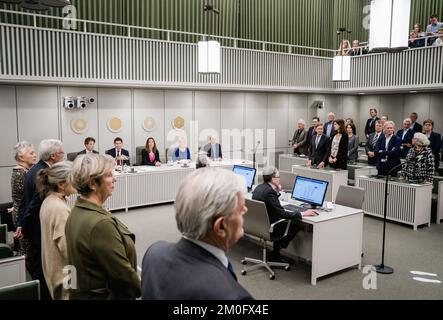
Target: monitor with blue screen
{"type": "Point", "coordinates": [310, 191]}
{"type": "Point", "coordinates": [247, 173]}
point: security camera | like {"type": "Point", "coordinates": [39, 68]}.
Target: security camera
{"type": "Point", "coordinates": [91, 100]}
{"type": "Point", "coordinates": [320, 105]}
{"type": "Point", "coordinates": [81, 102]}
{"type": "Point", "coordinates": [69, 103]}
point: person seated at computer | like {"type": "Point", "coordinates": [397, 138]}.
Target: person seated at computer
{"type": "Point", "coordinates": [89, 146]}
{"type": "Point", "coordinates": [182, 152]}
{"type": "Point", "coordinates": [202, 160]}
{"type": "Point", "coordinates": [318, 148]}
{"type": "Point", "coordinates": [300, 138]}
{"type": "Point", "coordinates": [419, 163]}
{"type": "Point", "coordinates": [269, 192]}
{"type": "Point", "coordinates": [387, 150]}
{"type": "Point", "coordinates": [118, 152]}
{"type": "Point", "coordinates": [150, 155]}
{"type": "Point", "coordinates": [213, 148]}
{"type": "Point", "coordinates": [353, 142]}
{"type": "Point", "coordinates": [338, 150]}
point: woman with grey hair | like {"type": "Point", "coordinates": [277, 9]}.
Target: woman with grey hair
{"type": "Point", "coordinates": [53, 186]}
{"type": "Point", "coordinates": [100, 247]}
{"type": "Point", "coordinates": [25, 156]}
{"type": "Point", "coordinates": [419, 163]}
{"type": "Point", "coordinates": [209, 207]}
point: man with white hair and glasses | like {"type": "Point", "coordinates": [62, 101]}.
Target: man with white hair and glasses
{"type": "Point", "coordinates": [50, 152]}
{"type": "Point", "coordinates": [209, 210]}
{"type": "Point", "coordinates": [300, 139]}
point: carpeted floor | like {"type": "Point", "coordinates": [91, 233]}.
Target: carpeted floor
{"type": "Point", "coordinates": [406, 251]}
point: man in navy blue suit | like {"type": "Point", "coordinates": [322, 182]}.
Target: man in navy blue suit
{"type": "Point", "coordinates": [406, 134]}
{"type": "Point", "coordinates": [388, 149]}
{"type": "Point", "coordinates": [119, 151]}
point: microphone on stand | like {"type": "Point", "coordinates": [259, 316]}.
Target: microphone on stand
{"type": "Point", "coordinates": [253, 154]}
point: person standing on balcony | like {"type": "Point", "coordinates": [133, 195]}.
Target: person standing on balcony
{"type": "Point", "coordinates": [432, 28]}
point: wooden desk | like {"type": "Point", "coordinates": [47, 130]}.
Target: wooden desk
{"type": "Point", "coordinates": [408, 203]}
{"type": "Point", "coordinates": [153, 185]}
{"type": "Point", "coordinates": [286, 161]}
{"type": "Point", "coordinates": [335, 242]}
{"type": "Point", "coordinates": [335, 178]}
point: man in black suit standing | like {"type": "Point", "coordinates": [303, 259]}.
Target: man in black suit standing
{"type": "Point", "coordinates": [209, 207]}
{"type": "Point", "coordinates": [388, 150]}
{"type": "Point", "coordinates": [311, 131]}
{"type": "Point", "coordinates": [268, 192]}
{"type": "Point", "coordinates": [329, 126]}
{"type": "Point", "coordinates": [416, 127]}
{"type": "Point", "coordinates": [435, 141]}
{"type": "Point", "coordinates": [89, 146]}
{"type": "Point", "coordinates": [372, 142]}
{"type": "Point", "coordinates": [119, 151]}
{"type": "Point", "coordinates": [213, 149]}
{"type": "Point", "coordinates": [318, 149]}
{"type": "Point", "coordinates": [28, 224]}
{"type": "Point", "coordinates": [406, 134]}
{"type": "Point", "coordinates": [370, 123]}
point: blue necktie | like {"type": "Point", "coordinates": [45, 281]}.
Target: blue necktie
{"type": "Point", "coordinates": [231, 270]}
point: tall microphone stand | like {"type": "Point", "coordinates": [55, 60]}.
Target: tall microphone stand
{"type": "Point", "coordinates": [382, 268]}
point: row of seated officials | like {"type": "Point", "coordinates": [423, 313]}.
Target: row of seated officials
{"type": "Point", "coordinates": [87, 237]}
{"type": "Point", "coordinates": [330, 144]}
{"type": "Point", "coordinates": [150, 155]}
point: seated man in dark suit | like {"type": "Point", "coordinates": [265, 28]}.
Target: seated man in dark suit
{"type": "Point", "coordinates": [209, 207]}
{"type": "Point", "coordinates": [213, 148]}
{"type": "Point", "coordinates": [318, 148]}
{"type": "Point", "coordinates": [372, 142]}
{"type": "Point", "coordinates": [89, 146]}
{"type": "Point", "coordinates": [268, 192]}
{"type": "Point", "coordinates": [388, 149]}
{"type": "Point", "coordinates": [119, 151]}
{"type": "Point", "coordinates": [406, 134]}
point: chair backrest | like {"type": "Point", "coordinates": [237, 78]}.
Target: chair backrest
{"type": "Point", "coordinates": [23, 291]}
{"type": "Point", "coordinates": [287, 180]}
{"type": "Point", "coordinates": [3, 233]}
{"type": "Point", "coordinates": [12, 271]}
{"type": "Point", "coordinates": [256, 221]}
{"type": "Point", "coordinates": [138, 155]}
{"type": "Point", "coordinates": [72, 155]}
{"type": "Point", "coordinates": [350, 196]}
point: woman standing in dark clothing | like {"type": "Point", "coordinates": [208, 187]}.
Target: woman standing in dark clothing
{"type": "Point", "coordinates": [339, 147]}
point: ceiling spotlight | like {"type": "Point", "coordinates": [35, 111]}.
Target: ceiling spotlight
{"type": "Point", "coordinates": [34, 5]}
{"type": "Point", "coordinates": [56, 3]}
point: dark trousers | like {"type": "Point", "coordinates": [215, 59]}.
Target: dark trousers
{"type": "Point", "coordinates": [279, 231]}
{"type": "Point", "coordinates": [36, 269]}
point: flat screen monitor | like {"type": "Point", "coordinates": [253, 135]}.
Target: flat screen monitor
{"type": "Point", "coordinates": [247, 173]}
{"type": "Point", "coordinates": [310, 191]}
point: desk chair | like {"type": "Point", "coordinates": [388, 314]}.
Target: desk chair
{"type": "Point", "coordinates": [349, 196]}
{"type": "Point", "coordinates": [256, 223]}
{"type": "Point", "coordinates": [138, 155]}
{"type": "Point", "coordinates": [287, 180]}
{"type": "Point", "coordinates": [71, 156]}
{"type": "Point", "coordinates": [23, 291]}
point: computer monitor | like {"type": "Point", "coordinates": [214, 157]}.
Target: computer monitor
{"type": "Point", "coordinates": [310, 191]}
{"type": "Point", "coordinates": [247, 173]}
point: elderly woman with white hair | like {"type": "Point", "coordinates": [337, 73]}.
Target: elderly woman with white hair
{"type": "Point", "coordinates": [210, 219]}
{"type": "Point", "coordinates": [419, 163]}
{"type": "Point", "coordinates": [100, 247]}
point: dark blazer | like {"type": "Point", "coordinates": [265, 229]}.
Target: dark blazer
{"type": "Point", "coordinates": [186, 271]}
{"type": "Point", "coordinates": [370, 126]}
{"type": "Point", "coordinates": [208, 150]}
{"type": "Point", "coordinates": [125, 152]}
{"type": "Point", "coordinates": [435, 146]}
{"type": "Point", "coordinates": [407, 139]}
{"type": "Point", "coordinates": [84, 152]}
{"type": "Point", "coordinates": [265, 193]}
{"type": "Point", "coordinates": [311, 133]}
{"type": "Point", "coordinates": [387, 159]}
{"type": "Point", "coordinates": [342, 154]}
{"type": "Point", "coordinates": [369, 147]}
{"type": "Point", "coordinates": [418, 127]}
{"type": "Point", "coordinates": [320, 154]}
{"type": "Point", "coordinates": [326, 126]}
{"type": "Point", "coordinates": [145, 158]}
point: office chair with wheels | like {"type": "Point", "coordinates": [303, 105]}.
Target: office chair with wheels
{"type": "Point", "coordinates": [257, 224]}
{"type": "Point", "coordinates": [23, 291]}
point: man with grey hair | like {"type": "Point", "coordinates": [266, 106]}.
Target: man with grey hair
{"type": "Point", "coordinates": [268, 192]}
{"type": "Point", "coordinates": [300, 138]}
{"type": "Point", "coordinates": [50, 152]}
{"type": "Point", "coordinates": [329, 126]}
{"type": "Point", "coordinates": [406, 134]}
{"type": "Point", "coordinates": [209, 209]}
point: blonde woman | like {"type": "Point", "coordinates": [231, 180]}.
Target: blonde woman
{"type": "Point", "coordinates": [53, 187]}
{"type": "Point", "coordinates": [345, 48]}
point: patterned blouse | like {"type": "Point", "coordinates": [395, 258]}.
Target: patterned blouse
{"type": "Point", "coordinates": [334, 145]}
{"type": "Point", "coordinates": [17, 190]}
{"type": "Point", "coordinates": [419, 165]}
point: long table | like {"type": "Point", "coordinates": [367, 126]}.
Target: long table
{"type": "Point", "coordinates": [408, 203]}
{"type": "Point", "coordinates": [153, 185]}
{"type": "Point", "coordinates": [286, 161]}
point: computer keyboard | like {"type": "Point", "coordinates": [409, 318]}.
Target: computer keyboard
{"type": "Point", "coordinates": [294, 208]}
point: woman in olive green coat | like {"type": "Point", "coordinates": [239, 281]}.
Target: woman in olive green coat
{"type": "Point", "coordinates": [100, 247]}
